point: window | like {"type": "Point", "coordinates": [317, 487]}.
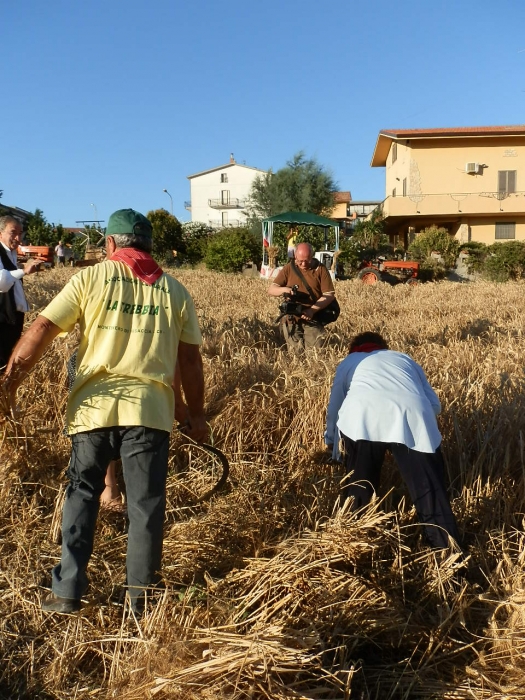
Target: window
{"type": "Point", "coordinates": [505, 230]}
{"type": "Point", "coordinates": [506, 181]}
{"type": "Point", "coordinates": [394, 192]}
{"type": "Point", "coordinates": [224, 177]}
{"type": "Point", "coordinates": [394, 152]}
{"type": "Point", "coordinates": [225, 196]}
{"type": "Point", "coordinates": [225, 218]}
{"type": "Point", "coordinates": [404, 187]}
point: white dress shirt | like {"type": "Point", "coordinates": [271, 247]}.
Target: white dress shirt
{"type": "Point", "coordinates": [11, 278]}
{"type": "Point", "coordinates": [383, 396]}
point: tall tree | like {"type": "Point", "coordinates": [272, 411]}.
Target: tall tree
{"type": "Point", "coordinates": [302, 185]}
{"type": "Point", "coordinates": [167, 234]}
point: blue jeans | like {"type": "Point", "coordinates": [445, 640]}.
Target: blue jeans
{"type": "Point", "coordinates": [144, 454]}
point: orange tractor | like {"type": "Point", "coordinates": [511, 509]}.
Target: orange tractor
{"type": "Point", "coordinates": [389, 271]}
{"type": "Point", "coordinates": [40, 253]}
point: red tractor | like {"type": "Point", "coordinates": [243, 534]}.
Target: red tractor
{"type": "Point", "coordinates": [389, 271]}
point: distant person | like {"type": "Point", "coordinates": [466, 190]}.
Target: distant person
{"type": "Point", "coordinates": [291, 239]}
{"type": "Point", "coordinates": [307, 282]}
{"type": "Point", "coordinates": [135, 323]}
{"type": "Point", "coordinates": [13, 303]}
{"type": "Point", "coordinates": [381, 400]}
{"type": "Point", "coordinates": [60, 252]}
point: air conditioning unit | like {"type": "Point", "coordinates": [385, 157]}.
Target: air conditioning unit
{"type": "Point", "coordinates": [472, 168]}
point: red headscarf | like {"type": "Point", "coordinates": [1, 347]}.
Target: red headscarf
{"type": "Point", "coordinates": [140, 263]}
{"type": "Point", "coordinates": [367, 347]}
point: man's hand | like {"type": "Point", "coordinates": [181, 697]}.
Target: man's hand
{"type": "Point", "coordinates": [197, 429]}
{"type": "Point", "coordinates": [307, 315]}
{"type": "Point", "coordinates": [32, 266]}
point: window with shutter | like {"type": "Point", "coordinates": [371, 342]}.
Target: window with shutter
{"type": "Point", "coordinates": [506, 181]}
{"type": "Point", "coordinates": [505, 230]}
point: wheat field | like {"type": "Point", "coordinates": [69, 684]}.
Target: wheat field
{"type": "Point", "coordinates": [272, 591]}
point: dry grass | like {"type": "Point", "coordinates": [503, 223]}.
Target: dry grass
{"type": "Point", "coordinates": [271, 591]}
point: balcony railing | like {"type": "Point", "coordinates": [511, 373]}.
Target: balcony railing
{"type": "Point", "coordinates": [218, 223]}
{"type": "Point", "coordinates": [187, 205]}
{"type": "Point", "coordinates": [227, 203]}
{"type": "Point", "coordinates": [455, 203]}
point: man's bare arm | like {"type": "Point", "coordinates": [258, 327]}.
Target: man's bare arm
{"type": "Point", "coordinates": [29, 350]}
{"type": "Point", "coordinates": [192, 379]}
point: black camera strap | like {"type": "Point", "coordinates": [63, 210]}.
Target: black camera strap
{"type": "Point", "coordinates": [303, 280]}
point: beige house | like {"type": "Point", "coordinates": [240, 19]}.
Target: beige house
{"type": "Point", "coordinates": [347, 212]}
{"type": "Point", "coordinates": [470, 180]}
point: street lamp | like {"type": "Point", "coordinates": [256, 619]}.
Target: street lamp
{"type": "Point", "coordinates": [171, 198]}
{"type": "Point", "coordinates": [96, 212]}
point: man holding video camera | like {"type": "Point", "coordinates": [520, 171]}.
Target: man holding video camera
{"type": "Point", "coordinates": [308, 291]}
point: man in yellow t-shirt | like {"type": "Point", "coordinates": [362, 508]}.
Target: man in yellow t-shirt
{"type": "Point", "coordinates": [135, 321]}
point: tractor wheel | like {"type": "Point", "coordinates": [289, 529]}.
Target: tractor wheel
{"type": "Point", "coordinates": [413, 281]}
{"type": "Point", "coordinates": [369, 276]}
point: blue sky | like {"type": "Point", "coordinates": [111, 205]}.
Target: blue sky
{"type": "Point", "coordinates": [108, 102]}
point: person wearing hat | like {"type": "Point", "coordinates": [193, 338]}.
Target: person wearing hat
{"type": "Point", "coordinates": [135, 322]}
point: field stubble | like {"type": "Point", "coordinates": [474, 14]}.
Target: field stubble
{"type": "Point", "coordinates": [272, 592]}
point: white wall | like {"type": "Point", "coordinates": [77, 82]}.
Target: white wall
{"type": "Point", "coordinates": [208, 186]}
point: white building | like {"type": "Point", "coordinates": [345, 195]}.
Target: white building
{"type": "Point", "coordinates": [218, 196]}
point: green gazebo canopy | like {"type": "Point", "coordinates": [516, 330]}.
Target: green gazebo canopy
{"type": "Point", "coordinates": [301, 218]}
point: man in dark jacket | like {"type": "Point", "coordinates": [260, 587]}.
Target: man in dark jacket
{"type": "Point", "coordinates": [13, 303]}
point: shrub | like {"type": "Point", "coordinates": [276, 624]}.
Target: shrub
{"type": "Point", "coordinates": [505, 261]}
{"type": "Point", "coordinates": [229, 249]}
{"type": "Point", "coordinates": [435, 239]}
{"type": "Point", "coordinates": [476, 255]}
{"type": "Point", "coordinates": [195, 237]}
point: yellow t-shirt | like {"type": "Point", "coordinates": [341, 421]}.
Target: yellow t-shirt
{"type": "Point", "coordinates": [130, 333]}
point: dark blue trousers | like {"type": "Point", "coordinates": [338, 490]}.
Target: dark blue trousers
{"type": "Point", "coordinates": [144, 454]}
{"type": "Point", "coordinates": [422, 472]}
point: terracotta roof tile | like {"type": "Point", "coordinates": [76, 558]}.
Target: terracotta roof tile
{"type": "Point", "coordinates": [342, 197]}
{"type": "Point", "coordinates": [455, 131]}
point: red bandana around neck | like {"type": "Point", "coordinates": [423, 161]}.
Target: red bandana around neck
{"type": "Point", "coordinates": [367, 347]}
{"type": "Point", "coordinates": [140, 263]}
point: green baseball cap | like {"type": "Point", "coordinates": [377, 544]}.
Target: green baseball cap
{"type": "Point", "coordinates": [128, 221]}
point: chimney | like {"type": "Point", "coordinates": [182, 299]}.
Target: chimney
{"type": "Point", "coordinates": [232, 159]}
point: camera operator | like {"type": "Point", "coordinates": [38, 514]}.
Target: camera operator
{"type": "Point", "coordinates": [308, 289]}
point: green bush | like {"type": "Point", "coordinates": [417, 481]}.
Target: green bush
{"type": "Point", "coordinates": [435, 239]}
{"type": "Point", "coordinates": [477, 254]}
{"type": "Point", "coordinates": [229, 249]}
{"type": "Point", "coordinates": [195, 237]}
{"type": "Point", "coordinates": [505, 261]}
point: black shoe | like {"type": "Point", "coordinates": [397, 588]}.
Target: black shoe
{"type": "Point", "coordinates": [66, 606]}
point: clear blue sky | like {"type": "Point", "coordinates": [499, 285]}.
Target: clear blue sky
{"type": "Point", "coordinates": [107, 102]}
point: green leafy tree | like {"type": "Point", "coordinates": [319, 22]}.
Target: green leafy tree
{"type": "Point", "coordinates": [302, 185]}
{"type": "Point", "coordinates": [195, 237]}
{"type": "Point", "coordinates": [167, 234]}
{"type": "Point", "coordinates": [435, 239]}
{"type": "Point", "coordinates": [368, 240]}
{"type": "Point", "coordinates": [38, 230]}
{"type": "Point", "coordinates": [229, 249]}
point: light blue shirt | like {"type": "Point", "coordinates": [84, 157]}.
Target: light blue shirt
{"type": "Point", "coordinates": [383, 396]}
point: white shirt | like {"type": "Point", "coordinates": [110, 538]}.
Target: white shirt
{"type": "Point", "coordinates": [11, 278]}
{"type": "Point", "coordinates": [383, 396]}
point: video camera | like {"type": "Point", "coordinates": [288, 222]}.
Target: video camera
{"type": "Point", "coordinates": [294, 304]}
